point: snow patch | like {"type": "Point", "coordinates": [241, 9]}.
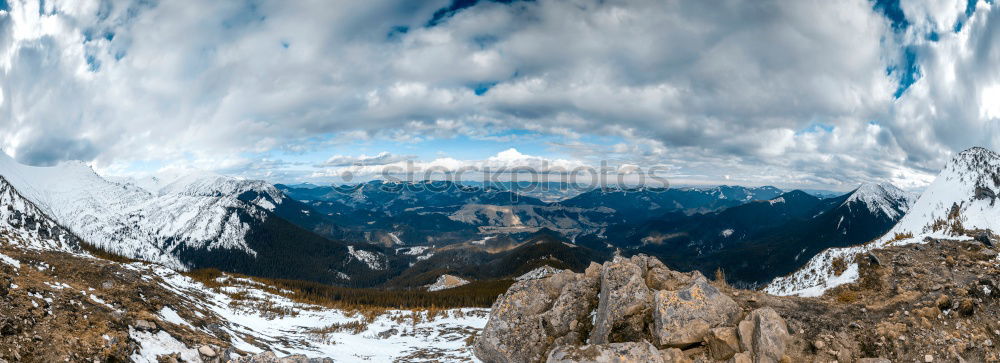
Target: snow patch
{"type": "Point", "coordinates": [370, 258]}
{"type": "Point", "coordinates": [538, 273]}
{"type": "Point", "coordinates": [10, 261]}
{"type": "Point", "coordinates": [446, 282]}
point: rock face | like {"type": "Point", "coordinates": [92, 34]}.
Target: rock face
{"type": "Point", "coordinates": [627, 310]}
{"type": "Point", "coordinates": [613, 352]}
{"type": "Point", "coordinates": [684, 317]}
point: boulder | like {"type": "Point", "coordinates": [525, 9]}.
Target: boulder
{"type": "Point", "coordinates": [741, 358]}
{"type": "Point", "coordinates": [145, 325]}
{"type": "Point", "coordinates": [612, 352]}
{"type": "Point", "coordinates": [625, 301]}
{"type": "Point", "coordinates": [765, 334]}
{"type": "Point", "coordinates": [515, 331]}
{"type": "Point", "coordinates": [206, 351]}
{"type": "Point", "coordinates": [685, 316]}
{"type": "Point", "coordinates": [674, 355]}
{"type": "Point", "coordinates": [569, 314]}
{"type": "Point", "coordinates": [722, 343]}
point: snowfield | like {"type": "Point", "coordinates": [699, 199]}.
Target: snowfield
{"type": "Point", "coordinates": [308, 329]}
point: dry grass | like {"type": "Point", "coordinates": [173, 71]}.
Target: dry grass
{"type": "Point", "coordinates": [839, 265]}
{"type": "Point", "coordinates": [901, 236]}
{"type": "Point", "coordinates": [847, 296]}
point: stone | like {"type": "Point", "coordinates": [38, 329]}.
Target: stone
{"type": "Point", "coordinates": [206, 351]}
{"type": "Point", "coordinates": [625, 301]}
{"type": "Point", "coordinates": [928, 358]}
{"type": "Point", "coordinates": [873, 360]}
{"type": "Point", "coordinates": [722, 343]}
{"type": "Point", "coordinates": [685, 316]}
{"type": "Point", "coordinates": [515, 331]}
{"type": "Point", "coordinates": [745, 330]}
{"type": "Point", "coordinates": [612, 352]}
{"type": "Point", "coordinates": [145, 325]}
{"type": "Point", "coordinates": [569, 316]}
{"type": "Point", "coordinates": [741, 358]}
{"type": "Point", "coordinates": [674, 355]}
{"type": "Point", "coordinates": [768, 335]}
{"type": "Point", "coordinates": [874, 260]}
{"type": "Point", "coordinates": [984, 238]}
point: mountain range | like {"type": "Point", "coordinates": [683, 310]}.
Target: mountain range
{"type": "Point", "coordinates": [405, 235]}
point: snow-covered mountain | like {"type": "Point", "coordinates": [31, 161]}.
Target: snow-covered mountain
{"type": "Point", "coordinates": [194, 212]}
{"type": "Point", "coordinates": [194, 220]}
{"type": "Point", "coordinates": [23, 224]}
{"type": "Point", "coordinates": [883, 198]}
{"type": "Point", "coordinates": [959, 204]}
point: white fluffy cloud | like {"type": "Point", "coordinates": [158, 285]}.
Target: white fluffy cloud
{"type": "Point", "coordinates": [792, 93]}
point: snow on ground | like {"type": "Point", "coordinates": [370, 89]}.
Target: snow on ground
{"type": "Point", "coordinates": [295, 328]}
{"type": "Point", "coordinates": [538, 273]}
{"type": "Point", "coordinates": [9, 260]}
{"type": "Point", "coordinates": [483, 241]}
{"type": "Point", "coordinates": [370, 258]}
{"type": "Point", "coordinates": [170, 315]}
{"type": "Point", "coordinates": [152, 345]}
{"type": "Point", "coordinates": [413, 251]}
{"type": "Point", "coordinates": [446, 282]}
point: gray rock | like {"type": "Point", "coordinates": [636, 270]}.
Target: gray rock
{"type": "Point", "coordinates": [625, 302]}
{"type": "Point", "coordinates": [873, 360]}
{"type": "Point", "coordinates": [722, 343]}
{"type": "Point", "coordinates": [674, 355]}
{"type": "Point", "coordinates": [145, 325]}
{"type": "Point", "coordinates": [612, 352]}
{"type": "Point", "coordinates": [741, 358]}
{"type": "Point", "coordinates": [270, 357]}
{"type": "Point", "coordinates": [768, 335]}
{"type": "Point", "coordinates": [206, 351]}
{"type": "Point", "coordinates": [684, 317]}
{"type": "Point", "coordinates": [570, 313]}
{"type": "Point", "coordinates": [515, 331]}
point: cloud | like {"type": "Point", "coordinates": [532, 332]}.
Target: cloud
{"type": "Point", "coordinates": [806, 90]}
{"type": "Point", "coordinates": [382, 158]}
{"type": "Point", "coordinates": [506, 162]}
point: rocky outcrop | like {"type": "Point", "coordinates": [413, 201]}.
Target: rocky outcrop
{"type": "Point", "coordinates": [613, 352]}
{"type": "Point", "coordinates": [627, 310]}
{"type": "Point", "coordinates": [685, 316]}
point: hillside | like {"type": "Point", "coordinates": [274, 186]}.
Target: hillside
{"type": "Point", "coordinates": [958, 205]}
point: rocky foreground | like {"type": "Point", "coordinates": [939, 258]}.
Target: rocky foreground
{"type": "Point", "coordinates": [933, 302]}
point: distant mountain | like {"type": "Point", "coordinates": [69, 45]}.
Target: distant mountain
{"type": "Point", "coordinates": [636, 204]}
{"type": "Point", "coordinates": [959, 205]}
{"type": "Point", "coordinates": [442, 212]}
{"type": "Point", "coordinates": [498, 258]}
{"type": "Point", "coordinates": [194, 221]}
{"type": "Point", "coordinates": [755, 242]}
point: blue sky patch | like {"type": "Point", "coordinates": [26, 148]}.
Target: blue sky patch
{"type": "Point", "coordinates": [457, 6]}
{"type": "Point", "coordinates": [892, 11]}
{"type": "Point", "coordinates": [908, 72]}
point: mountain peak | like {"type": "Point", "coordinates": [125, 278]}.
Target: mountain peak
{"type": "Point", "coordinates": [882, 197]}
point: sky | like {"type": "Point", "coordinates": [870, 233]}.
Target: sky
{"type": "Point", "coordinates": [808, 94]}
